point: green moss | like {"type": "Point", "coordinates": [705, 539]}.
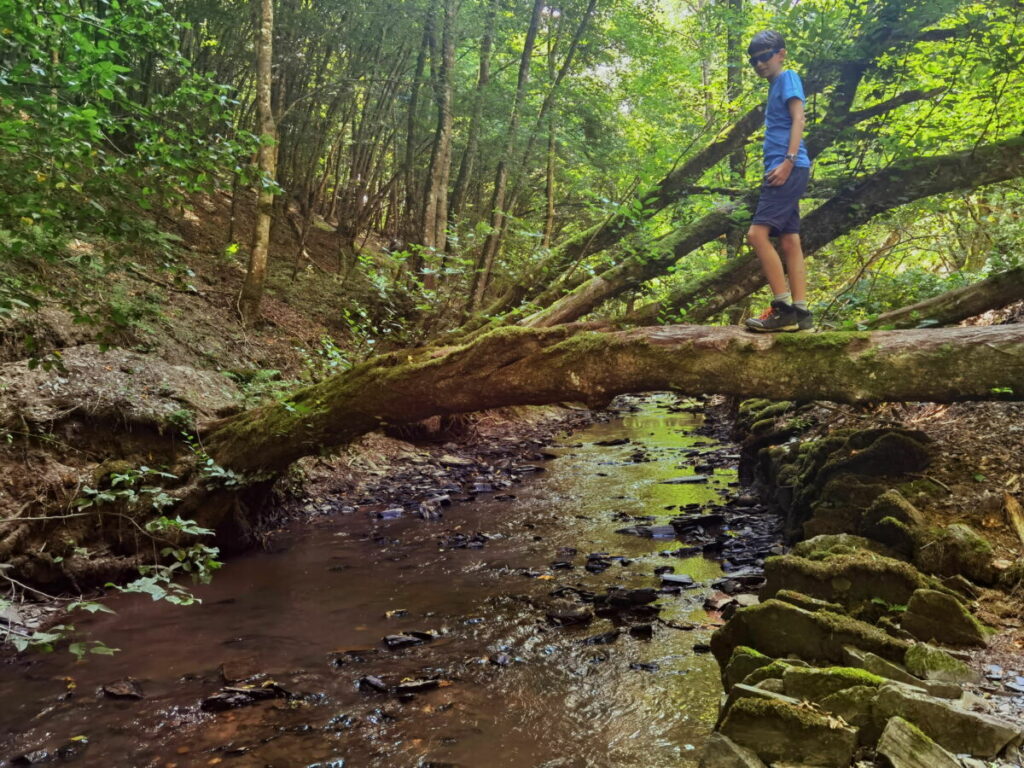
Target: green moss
{"type": "Point", "coordinates": [775, 669]}
{"type": "Point", "coordinates": [931, 663]}
{"type": "Point", "coordinates": [763, 425]}
{"type": "Point", "coordinates": [800, 717]}
{"type": "Point", "coordinates": [849, 579]}
{"type": "Point", "coordinates": [806, 602]}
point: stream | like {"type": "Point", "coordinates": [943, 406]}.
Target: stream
{"type": "Point", "coordinates": [491, 680]}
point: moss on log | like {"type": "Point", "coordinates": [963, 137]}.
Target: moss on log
{"type": "Point", "coordinates": [520, 366]}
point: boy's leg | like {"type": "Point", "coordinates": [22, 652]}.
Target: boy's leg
{"type": "Point", "coordinates": [771, 264]}
{"type": "Point", "coordinates": [793, 253]}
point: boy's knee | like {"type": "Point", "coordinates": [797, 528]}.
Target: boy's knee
{"type": "Point", "coordinates": [756, 235]}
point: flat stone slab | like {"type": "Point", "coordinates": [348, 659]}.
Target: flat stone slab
{"type": "Point", "coordinates": [903, 745]}
{"type": "Point", "coordinates": [777, 731]}
{"type": "Point", "coordinates": [959, 731]}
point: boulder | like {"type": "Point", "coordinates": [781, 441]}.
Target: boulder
{"type": "Point", "coordinates": [904, 745]}
{"type": "Point", "coordinates": [892, 504]}
{"type": "Point", "coordinates": [930, 663]}
{"type": "Point", "coordinates": [772, 671]}
{"type": "Point", "coordinates": [933, 615]}
{"type": "Point", "coordinates": [777, 731]}
{"type": "Point", "coordinates": [722, 752]}
{"type": "Point", "coordinates": [856, 706]}
{"type": "Point", "coordinates": [817, 547]}
{"type": "Point", "coordinates": [743, 661]}
{"type": "Point", "coordinates": [853, 580]}
{"type": "Point", "coordinates": [895, 534]}
{"type": "Point", "coordinates": [779, 629]}
{"type": "Point", "coordinates": [957, 549]}
{"type": "Point", "coordinates": [807, 602]}
{"type": "Point", "coordinates": [958, 730]}
{"type": "Point", "coordinates": [876, 665]}
{"type": "Point", "coordinates": [816, 683]}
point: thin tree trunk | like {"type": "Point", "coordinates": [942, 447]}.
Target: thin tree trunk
{"type": "Point", "coordinates": [951, 307]}
{"type": "Point", "coordinates": [255, 278]}
{"type": "Point", "coordinates": [435, 210]}
{"type": "Point", "coordinates": [469, 157]}
{"type": "Point", "coordinates": [485, 263]}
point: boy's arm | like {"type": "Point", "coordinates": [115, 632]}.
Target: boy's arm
{"type": "Point", "coordinates": [780, 173]}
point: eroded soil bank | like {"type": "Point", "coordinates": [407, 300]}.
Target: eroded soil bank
{"type": "Point", "coordinates": [521, 628]}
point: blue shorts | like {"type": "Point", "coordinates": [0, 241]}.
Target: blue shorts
{"type": "Point", "coordinates": [779, 207]}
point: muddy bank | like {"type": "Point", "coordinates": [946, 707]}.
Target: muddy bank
{"type": "Point", "coordinates": [887, 632]}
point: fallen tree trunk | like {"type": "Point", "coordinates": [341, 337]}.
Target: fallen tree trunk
{"type": "Point", "coordinates": [520, 366]}
{"type": "Point", "coordinates": [951, 307]}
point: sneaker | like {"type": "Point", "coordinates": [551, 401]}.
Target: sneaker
{"type": "Point", "coordinates": [780, 316]}
{"type": "Point", "coordinates": [804, 318]}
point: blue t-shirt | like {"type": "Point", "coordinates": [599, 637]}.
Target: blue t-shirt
{"type": "Point", "coordinates": [777, 121]}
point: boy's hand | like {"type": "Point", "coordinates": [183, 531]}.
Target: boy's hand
{"type": "Point", "coordinates": [777, 176]}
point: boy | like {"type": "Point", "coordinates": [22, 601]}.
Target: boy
{"type": "Point", "coordinates": [787, 168]}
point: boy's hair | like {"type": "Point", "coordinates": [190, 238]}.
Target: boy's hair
{"type": "Point", "coordinates": [769, 39]}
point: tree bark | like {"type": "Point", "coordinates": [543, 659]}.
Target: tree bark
{"type": "Point", "coordinates": [485, 262]}
{"type": "Point", "coordinates": [252, 289]}
{"type": "Point", "coordinates": [435, 208]}
{"type": "Point", "coordinates": [519, 366]}
{"type": "Point", "coordinates": [951, 307]}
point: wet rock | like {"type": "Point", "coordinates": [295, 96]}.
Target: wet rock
{"type": "Point", "coordinates": [686, 525]}
{"type": "Point", "coordinates": [223, 701]}
{"type": "Point", "coordinates": [701, 648]}
{"type": "Point", "coordinates": [73, 748]}
{"type": "Point", "coordinates": [993, 672]}
{"type": "Point", "coordinates": [722, 752]}
{"type": "Point", "coordinates": [371, 684]}
{"type": "Point", "coordinates": [605, 638]}
{"type": "Point", "coordinates": [38, 757]}
{"type": "Point", "coordinates": [644, 666]}
{"type": "Point", "coordinates": [128, 688]}
{"type": "Point", "coordinates": [570, 615]}
{"type": "Point", "coordinates": [406, 639]}
{"type": "Point", "coordinates": [685, 581]}
{"type": "Point", "coordinates": [481, 488]}
{"type": "Point", "coordinates": [642, 631]}
{"type": "Point", "coordinates": [455, 461]}
{"type": "Point", "coordinates": [458, 540]}
{"type": "Point", "coordinates": [903, 745]}
{"type": "Point", "coordinates": [957, 730]}
{"type": "Point", "coordinates": [500, 659]}
{"type": "Point", "coordinates": [649, 531]}
{"type": "Point", "coordinates": [778, 731]}
{"type": "Point", "coordinates": [936, 616]}
{"type": "Point", "coordinates": [686, 480]}
{"type": "Point", "coordinates": [664, 569]}
{"type": "Point", "coordinates": [418, 686]}
{"type": "Point", "coordinates": [745, 500]}
{"type": "Point", "coordinates": [717, 601]}
{"type": "Point", "coordinates": [563, 565]}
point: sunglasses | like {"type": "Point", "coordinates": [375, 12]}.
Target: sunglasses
{"type": "Point", "coordinates": [761, 58]}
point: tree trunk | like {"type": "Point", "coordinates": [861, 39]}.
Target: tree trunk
{"type": "Point", "coordinates": [252, 289]}
{"type": "Point", "coordinates": [469, 157]}
{"type": "Point", "coordinates": [485, 262]}
{"type": "Point", "coordinates": [519, 366]}
{"type": "Point", "coordinates": [951, 307]}
{"type": "Point", "coordinates": [435, 209]}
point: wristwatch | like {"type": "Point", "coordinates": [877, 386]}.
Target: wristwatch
{"type": "Point", "coordinates": [791, 156]}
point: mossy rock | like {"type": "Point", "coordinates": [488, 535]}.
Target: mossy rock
{"type": "Point", "coordinates": [774, 670]}
{"type": "Point", "coordinates": [893, 504]}
{"type": "Point", "coordinates": [905, 745]}
{"type": "Point", "coordinates": [894, 534]}
{"type": "Point", "coordinates": [743, 661]}
{"type": "Point", "coordinates": [853, 580]}
{"type": "Point", "coordinates": [778, 731]}
{"type": "Point", "coordinates": [931, 663]}
{"type": "Point", "coordinates": [722, 752]}
{"type": "Point", "coordinates": [936, 616]}
{"type": "Point", "coordinates": [820, 547]}
{"type": "Point", "coordinates": [101, 474]}
{"type": "Point", "coordinates": [779, 629]}
{"type": "Point", "coordinates": [816, 683]}
{"type": "Point", "coordinates": [1013, 577]}
{"type": "Point", "coordinates": [807, 602]}
{"type": "Point", "coordinates": [856, 706]}
{"type": "Point", "coordinates": [957, 549]}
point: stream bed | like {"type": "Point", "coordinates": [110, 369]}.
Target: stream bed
{"type": "Point", "coordinates": [484, 668]}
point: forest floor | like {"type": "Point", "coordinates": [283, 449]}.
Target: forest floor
{"type": "Point", "coordinates": [173, 321]}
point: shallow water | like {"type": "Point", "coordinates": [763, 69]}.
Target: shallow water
{"type": "Point", "coordinates": [326, 589]}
